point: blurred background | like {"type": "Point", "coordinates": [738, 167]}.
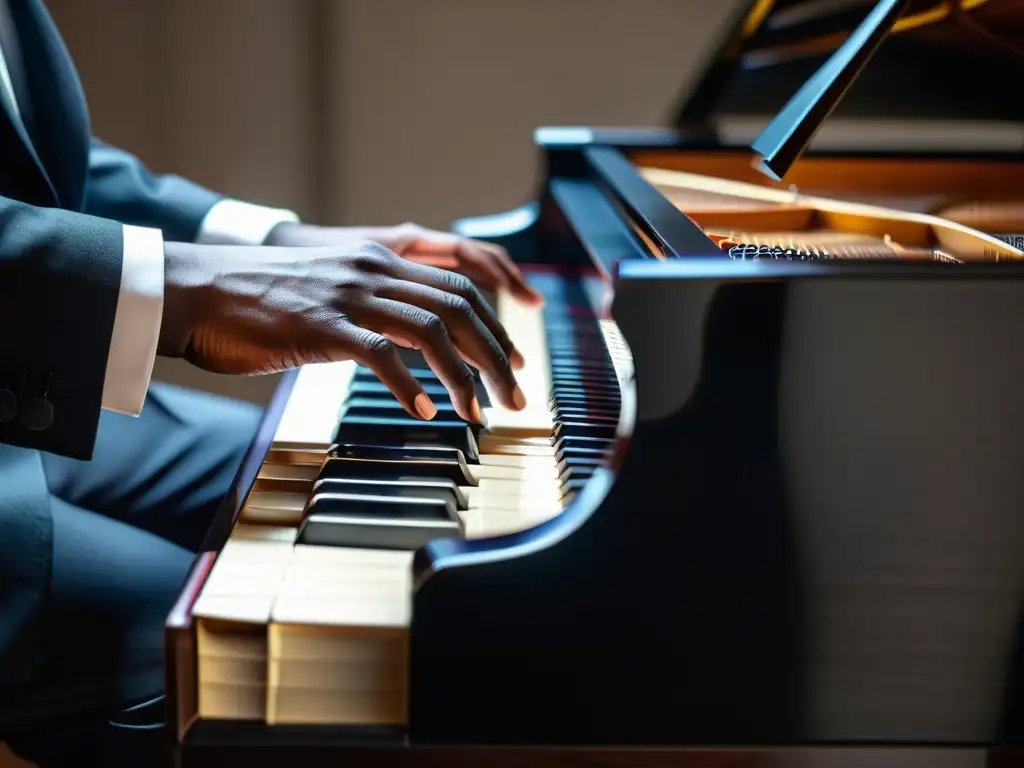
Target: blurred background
{"type": "Point", "coordinates": [373, 111]}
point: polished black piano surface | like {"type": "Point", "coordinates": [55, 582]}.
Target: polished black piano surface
{"type": "Point", "coordinates": [793, 523]}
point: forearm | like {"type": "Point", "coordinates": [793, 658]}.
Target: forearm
{"type": "Point", "coordinates": [293, 233]}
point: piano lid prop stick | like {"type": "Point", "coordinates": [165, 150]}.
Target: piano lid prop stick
{"type": "Point", "coordinates": [785, 138]}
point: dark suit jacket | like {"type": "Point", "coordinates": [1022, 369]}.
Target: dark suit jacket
{"type": "Point", "coordinates": [63, 199]}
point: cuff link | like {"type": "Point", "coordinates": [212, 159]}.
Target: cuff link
{"type": "Point", "coordinates": [8, 398]}
{"type": "Point", "coordinates": [36, 412]}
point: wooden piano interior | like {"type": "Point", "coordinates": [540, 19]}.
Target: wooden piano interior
{"type": "Point", "coordinates": [980, 193]}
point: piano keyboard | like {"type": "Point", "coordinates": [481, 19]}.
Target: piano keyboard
{"type": "Point", "coordinates": [304, 616]}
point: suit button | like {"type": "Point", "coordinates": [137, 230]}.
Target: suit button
{"type": "Point", "coordinates": [36, 413]}
{"type": "Point", "coordinates": [8, 405]}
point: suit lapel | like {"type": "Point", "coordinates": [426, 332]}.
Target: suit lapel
{"type": "Point", "coordinates": [21, 158]}
{"type": "Point", "coordinates": [60, 141]}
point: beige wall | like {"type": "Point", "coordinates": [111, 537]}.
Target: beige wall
{"type": "Point", "coordinates": [372, 111]}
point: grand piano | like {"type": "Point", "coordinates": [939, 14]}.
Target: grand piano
{"type": "Point", "coordinates": [765, 506]}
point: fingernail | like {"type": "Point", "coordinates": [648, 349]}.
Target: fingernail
{"type": "Point", "coordinates": [518, 398]}
{"type": "Point", "coordinates": [516, 359]}
{"type": "Point", "coordinates": [424, 407]}
{"type": "Point", "coordinates": [474, 411]}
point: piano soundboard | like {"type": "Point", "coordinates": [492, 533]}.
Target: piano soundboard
{"type": "Point", "coordinates": [304, 616]}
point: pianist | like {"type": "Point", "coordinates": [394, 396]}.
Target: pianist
{"type": "Point", "coordinates": [103, 265]}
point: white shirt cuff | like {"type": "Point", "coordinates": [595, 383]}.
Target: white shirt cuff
{"type": "Point", "coordinates": [233, 222]}
{"type": "Point", "coordinates": [140, 306]}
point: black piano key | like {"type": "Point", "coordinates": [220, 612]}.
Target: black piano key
{"type": "Point", "coordinates": [420, 374]}
{"type": "Point", "coordinates": [574, 441]}
{"type": "Point", "coordinates": [585, 379]}
{"type": "Point", "coordinates": [574, 486]}
{"type": "Point", "coordinates": [568, 413]}
{"type": "Point", "coordinates": [373, 532]}
{"type": "Point", "coordinates": [400, 487]}
{"type": "Point", "coordinates": [395, 462]}
{"type": "Point", "coordinates": [570, 352]}
{"type": "Point", "coordinates": [591, 390]}
{"type": "Point", "coordinates": [424, 506]}
{"type": "Point", "coordinates": [582, 429]}
{"type": "Point", "coordinates": [562, 328]}
{"type": "Point", "coordinates": [612, 402]}
{"type": "Point", "coordinates": [580, 363]}
{"type": "Point", "coordinates": [576, 412]}
{"type": "Point", "coordinates": [365, 381]}
{"type": "Point", "coordinates": [575, 460]}
{"type": "Point", "coordinates": [367, 388]}
{"type": "Point", "coordinates": [408, 431]}
{"type": "Point", "coordinates": [572, 452]}
{"type": "Point", "coordinates": [572, 471]}
{"type": "Point", "coordinates": [573, 344]}
{"type": "Point", "coordinates": [579, 400]}
{"type": "Point", "coordinates": [388, 408]}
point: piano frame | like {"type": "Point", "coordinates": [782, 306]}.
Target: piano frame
{"type": "Point", "coordinates": [592, 189]}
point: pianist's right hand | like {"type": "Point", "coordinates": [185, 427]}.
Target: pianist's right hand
{"type": "Point", "coordinates": [253, 310]}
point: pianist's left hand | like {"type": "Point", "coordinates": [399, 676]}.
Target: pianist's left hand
{"type": "Point", "coordinates": [486, 264]}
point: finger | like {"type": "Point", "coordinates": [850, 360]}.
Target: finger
{"type": "Point", "coordinates": [427, 332]}
{"type": "Point", "coordinates": [472, 338]}
{"type": "Point", "coordinates": [439, 260]}
{"type": "Point", "coordinates": [517, 284]}
{"type": "Point", "coordinates": [471, 254]}
{"type": "Point", "coordinates": [460, 285]}
{"type": "Point", "coordinates": [466, 259]}
{"type": "Point", "coordinates": [479, 278]}
{"type": "Point", "coordinates": [380, 356]}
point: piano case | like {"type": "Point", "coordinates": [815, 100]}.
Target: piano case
{"type": "Point", "coordinates": [719, 594]}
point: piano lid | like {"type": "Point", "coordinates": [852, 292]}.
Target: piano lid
{"type": "Point", "coordinates": [946, 60]}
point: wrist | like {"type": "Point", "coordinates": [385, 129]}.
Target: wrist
{"type": "Point", "coordinates": [181, 280]}
{"type": "Point", "coordinates": [286, 233]}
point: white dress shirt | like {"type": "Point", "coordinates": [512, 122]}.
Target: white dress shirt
{"type": "Point", "coordinates": [141, 297]}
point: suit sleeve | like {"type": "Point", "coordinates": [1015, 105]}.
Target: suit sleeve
{"type": "Point", "coordinates": [120, 187]}
{"type": "Point", "coordinates": [60, 276]}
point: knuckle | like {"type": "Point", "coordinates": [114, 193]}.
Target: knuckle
{"type": "Point", "coordinates": [466, 381]}
{"type": "Point", "coordinates": [432, 325]}
{"type": "Point", "coordinates": [376, 346]}
{"type": "Point", "coordinates": [459, 305]}
{"type": "Point", "coordinates": [460, 284]}
{"type": "Point", "coordinates": [499, 353]}
{"type": "Point", "coordinates": [499, 356]}
{"type": "Point", "coordinates": [372, 257]}
{"type": "Point", "coordinates": [365, 262]}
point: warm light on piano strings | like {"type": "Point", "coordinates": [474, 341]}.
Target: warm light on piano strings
{"type": "Point", "coordinates": [744, 214]}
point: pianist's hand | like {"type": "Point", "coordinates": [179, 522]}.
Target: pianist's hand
{"type": "Point", "coordinates": [252, 310]}
{"type": "Point", "coordinates": [488, 265]}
